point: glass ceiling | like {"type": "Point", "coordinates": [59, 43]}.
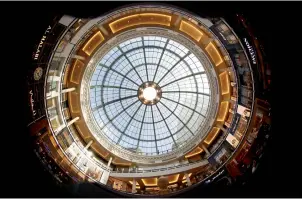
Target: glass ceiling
{"type": "Point", "coordinates": [150, 129]}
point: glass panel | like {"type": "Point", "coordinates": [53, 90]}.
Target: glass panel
{"type": "Point", "coordinates": [150, 129]}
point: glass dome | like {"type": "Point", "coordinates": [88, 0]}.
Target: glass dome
{"type": "Point", "coordinates": [150, 126]}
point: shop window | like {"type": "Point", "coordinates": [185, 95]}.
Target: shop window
{"type": "Point", "coordinates": [62, 141]}
{"type": "Point", "coordinates": [246, 102]}
{"type": "Point", "coordinates": [52, 112]}
{"type": "Point", "coordinates": [231, 39]}
{"type": "Point", "coordinates": [222, 27]}
{"type": "Point", "coordinates": [55, 63]}
{"type": "Point", "coordinates": [247, 79]}
{"type": "Point", "coordinates": [246, 92]}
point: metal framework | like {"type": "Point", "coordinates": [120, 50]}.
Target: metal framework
{"type": "Point", "coordinates": [184, 110]}
{"type": "Point", "coordinates": [131, 63]}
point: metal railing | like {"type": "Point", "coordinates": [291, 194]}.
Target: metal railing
{"type": "Point", "coordinates": [142, 170]}
{"type": "Point", "coordinates": [59, 109]}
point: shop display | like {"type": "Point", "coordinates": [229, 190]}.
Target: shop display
{"type": "Point", "coordinates": [232, 140]}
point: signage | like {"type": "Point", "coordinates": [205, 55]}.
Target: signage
{"type": "Point", "coordinates": [245, 112]}
{"type": "Point", "coordinates": [31, 101]}
{"type": "Point", "coordinates": [35, 100]}
{"type": "Point", "coordinates": [37, 53]}
{"type": "Point", "coordinates": [235, 123]}
{"type": "Point", "coordinates": [251, 51]}
{"type": "Point", "coordinates": [232, 140]}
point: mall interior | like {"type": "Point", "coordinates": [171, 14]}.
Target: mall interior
{"type": "Point", "coordinates": [149, 100]}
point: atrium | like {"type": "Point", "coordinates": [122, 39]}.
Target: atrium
{"type": "Point", "coordinates": [149, 100]}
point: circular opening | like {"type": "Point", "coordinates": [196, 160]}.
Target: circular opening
{"type": "Point", "coordinates": [135, 114]}
{"type": "Point", "coordinates": [149, 93]}
{"type": "Point", "coordinates": [148, 127]}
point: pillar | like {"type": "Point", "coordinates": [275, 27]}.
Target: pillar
{"type": "Point", "coordinates": [58, 130]}
{"type": "Point", "coordinates": [134, 186]}
{"type": "Point", "coordinates": [205, 149]}
{"type": "Point", "coordinates": [109, 162]}
{"type": "Point", "coordinates": [78, 57]}
{"type": "Point", "coordinates": [88, 145]}
{"type": "Point", "coordinates": [188, 179]}
{"type": "Point", "coordinates": [73, 121]}
{"type": "Point", "coordinates": [55, 93]}
{"type": "Point", "coordinates": [68, 90]}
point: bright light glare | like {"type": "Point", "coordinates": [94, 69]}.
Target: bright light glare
{"type": "Point", "coordinates": [149, 93]}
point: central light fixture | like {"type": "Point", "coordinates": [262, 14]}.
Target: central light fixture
{"type": "Point", "coordinates": [149, 93]}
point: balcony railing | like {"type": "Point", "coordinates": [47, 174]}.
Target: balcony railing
{"type": "Point", "coordinates": [142, 170]}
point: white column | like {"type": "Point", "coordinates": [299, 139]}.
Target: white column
{"type": "Point", "coordinates": [78, 57]}
{"type": "Point", "coordinates": [109, 162]}
{"type": "Point", "coordinates": [189, 183]}
{"type": "Point", "coordinates": [88, 145]}
{"type": "Point", "coordinates": [205, 149]}
{"type": "Point", "coordinates": [68, 90]}
{"type": "Point", "coordinates": [134, 186]}
{"type": "Point", "coordinates": [53, 94]}
{"type": "Point", "coordinates": [73, 121]}
{"type": "Point", "coordinates": [57, 131]}
{"type": "Point", "coordinates": [103, 30]}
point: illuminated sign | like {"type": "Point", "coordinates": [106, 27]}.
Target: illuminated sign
{"type": "Point", "coordinates": [251, 51]}
{"type": "Point", "coordinates": [232, 140]}
{"type": "Point", "coordinates": [31, 100]}
{"type": "Point", "coordinates": [37, 53]}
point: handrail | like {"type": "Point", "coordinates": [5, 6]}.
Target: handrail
{"type": "Point", "coordinates": [141, 170]}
